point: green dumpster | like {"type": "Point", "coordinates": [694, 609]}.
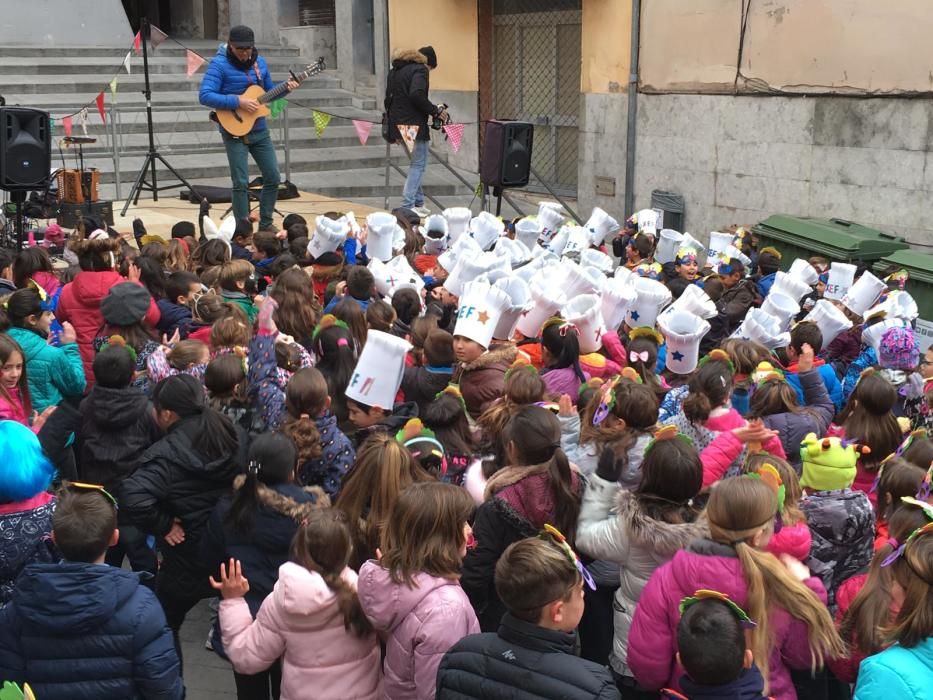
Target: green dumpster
{"type": "Point", "coordinates": [836, 239]}
{"type": "Point", "coordinates": [920, 285]}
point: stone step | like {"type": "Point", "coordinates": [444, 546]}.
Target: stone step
{"type": "Point", "coordinates": [20, 66]}
{"type": "Point", "coordinates": [205, 47]}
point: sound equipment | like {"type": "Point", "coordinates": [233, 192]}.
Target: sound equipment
{"type": "Point", "coordinates": [70, 213]}
{"type": "Point", "coordinates": [506, 158]}
{"type": "Point", "coordinates": [25, 148]}
{"type": "Point", "coordinates": [239, 122]}
{"type": "Point", "coordinates": [75, 186]}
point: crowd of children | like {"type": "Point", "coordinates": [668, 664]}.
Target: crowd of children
{"type": "Point", "coordinates": [462, 458]}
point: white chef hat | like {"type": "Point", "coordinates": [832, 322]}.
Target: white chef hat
{"type": "Point", "coordinates": [652, 297]}
{"type": "Point", "coordinates": [872, 334]}
{"type": "Point", "coordinates": [462, 247]}
{"type": "Point", "coordinates": [782, 307]}
{"type": "Point", "coordinates": [513, 250]}
{"type": "Point", "coordinates": [479, 311]}
{"type": "Point", "coordinates": [378, 373]}
{"type": "Point", "coordinates": [790, 286]}
{"type": "Point", "coordinates": [550, 219]}
{"type": "Point", "coordinates": [863, 294]}
{"type": "Point", "coordinates": [580, 280]}
{"type": "Point", "coordinates": [327, 237]}
{"type": "Point", "coordinates": [668, 245]}
{"type": "Point", "coordinates": [600, 225]}
{"type": "Point", "coordinates": [385, 236]}
{"type": "Point", "coordinates": [762, 327]}
{"type": "Point", "coordinates": [458, 218]}
{"type": "Point", "coordinates": [436, 232]}
{"type": "Point", "coordinates": [804, 271]}
{"type": "Point", "coordinates": [547, 301]}
{"type": "Point", "coordinates": [469, 267]}
{"type": "Point", "coordinates": [526, 231]}
{"type": "Point", "coordinates": [695, 301]}
{"type": "Point", "coordinates": [598, 259]}
{"type": "Point", "coordinates": [830, 319]}
{"type": "Point", "coordinates": [519, 292]}
{"type": "Point", "coordinates": [585, 312]}
{"type": "Point", "coordinates": [486, 229]}
{"type": "Point", "coordinates": [682, 332]}
{"type": "Point", "coordinates": [841, 277]}
{"type": "Point", "coordinates": [617, 296]}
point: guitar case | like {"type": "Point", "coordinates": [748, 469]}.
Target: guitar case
{"type": "Point", "coordinates": [224, 195]}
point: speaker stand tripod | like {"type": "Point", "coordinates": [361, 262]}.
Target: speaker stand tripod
{"type": "Point", "coordinates": [153, 155]}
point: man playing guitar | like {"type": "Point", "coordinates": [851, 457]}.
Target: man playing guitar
{"type": "Point", "coordinates": [237, 66]}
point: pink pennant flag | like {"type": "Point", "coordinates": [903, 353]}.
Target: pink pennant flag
{"type": "Point", "coordinates": [66, 125]}
{"type": "Point", "coordinates": [362, 130]}
{"type": "Point", "coordinates": [454, 135]}
{"type": "Point", "coordinates": [138, 43]}
{"type": "Point", "coordinates": [194, 62]}
{"type": "Point", "coordinates": [100, 106]}
{"type": "Point", "coordinates": [156, 36]}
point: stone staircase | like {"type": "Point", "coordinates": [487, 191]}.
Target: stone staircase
{"type": "Point", "coordinates": [61, 80]}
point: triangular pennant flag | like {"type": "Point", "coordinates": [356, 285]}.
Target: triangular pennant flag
{"type": "Point", "coordinates": [321, 120]}
{"type": "Point", "coordinates": [113, 86]}
{"type": "Point", "coordinates": [82, 116]}
{"type": "Point", "coordinates": [276, 107]}
{"type": "Point", "coordinates": [66, 125]}
{"type": "Point", "coordinates": [454, 135]}
{"type": "Point", "coordinates": [51, 122]}
{"type": "Point", "coordinates": [126, 62]}
{"type": "Point", "coordinates": [409, 133]}
{"type": "Point", "coordinates": [137, 43]}
{"type": "Point", "coordinates": [156, 36]}
{"type": "Point", "coordinates": [100, 106]}
{"type": "Point", "coordinates": [362, 130]}
{"type": "Point", "coordinates": [194, 62]}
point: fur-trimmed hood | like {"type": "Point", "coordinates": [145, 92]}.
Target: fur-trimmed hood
{"type": "Point", "coordinates": [500, 354]}
{"type": "Point", "coordinates": [402, 56]}
{"type": "Point", "coordinates": [275, 501]}
{"type": "Point", "coordinates": [661, 537]}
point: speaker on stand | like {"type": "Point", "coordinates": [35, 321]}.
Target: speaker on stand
{"type": "Point", "coordinates": [25, 156]}
{"type": "Point", "coordinates": [506, 162]}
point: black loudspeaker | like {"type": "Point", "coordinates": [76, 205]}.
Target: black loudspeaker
{"type": "Point", "coordinates": [70, 214]}
{"type": "Point", "coordinates": [507, 153]}
{"type": "Point", "coordinates": [25, 148]}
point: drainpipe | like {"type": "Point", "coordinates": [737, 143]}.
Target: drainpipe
{"type": "Point", "coordinates": [632, 111]}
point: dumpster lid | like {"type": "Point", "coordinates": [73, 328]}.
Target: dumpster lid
{"type": "Point", "coordinates": [838, 234]}
{"type": "Point", "coordinates": [919, 265]}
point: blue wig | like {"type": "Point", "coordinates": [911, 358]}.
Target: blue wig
{"type": "Point", "coordinates": [25, 471]}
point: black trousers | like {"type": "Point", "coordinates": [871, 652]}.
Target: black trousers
{"type": "Point", "coordinates": [596, 627]}
{"type": "Point", "coordinates": [260, 686]}
{"type": "Point", "coordinates": [132, 546]}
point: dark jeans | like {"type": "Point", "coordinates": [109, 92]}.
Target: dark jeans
{"type": "Point", "coordinates": [596, 627]}
{"type": "Point", "coordinates": [132, 545]}
{"type": "Point", "coordinates": [629, 689]}
{"type": "Point", "coordinates": [260, 146]}
{"type": "Point", "coordinates": [259, 686]}
{"type": "Point", "coordinates": [176, 605]}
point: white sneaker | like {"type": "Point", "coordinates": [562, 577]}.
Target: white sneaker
{"type": "Point", "coordinates": [423, 212]}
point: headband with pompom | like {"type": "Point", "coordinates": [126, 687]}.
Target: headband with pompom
{"type": "Point", "coordinates": [646, 332]}
{"type": "Point", "coordinates": [668, 432]}
{"type": "Point", "coordinates": [120, 342]}
{"type": "Point", "coordinates": [521, 363]}
{"type": "Point", "coordinates": [328, 320]}
{"type": "Point", "coordinates": [592, 383]}
{"type": "Point", "coordinates": [706, 594]}
{"type": "Point", "coordinates": [631, 374]}
{"type": "Point", "coordinates": [718, 355]}
{"type": "Point", "coordinates": [769, 474]}
{"type": "Point", "coordinates": [453, 390]}
{"type": "Point", "coordinates": [770, 251]}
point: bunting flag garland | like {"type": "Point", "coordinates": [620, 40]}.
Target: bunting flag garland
{"type": "Point", "coordinates": [126, 62]}
{"type": "Point", "coordinates": [321, 120]}
{"type": "Point", "coordinates": [138, 43]}
{"type": "Point", "coordinates": [66, 125]}
{"type": "Point", "coordinates": [156, 36]}
{"type": "Point", "coordinates": [100, 106]}
{"type": "Point", "coordinates": [409, 133]}
{"type": "Point", "coordinates": [82, 117]}
{"type": "Point", "coordinates": [194, 62]}
{"type": "Point", "coordinates": [276, 107]}
{"type": "Point", "coordinates": [113, 86]}
{"type": "Point", "coordinates": [454, 135]}
{"type": "Point", "coordinates": [362, 130]}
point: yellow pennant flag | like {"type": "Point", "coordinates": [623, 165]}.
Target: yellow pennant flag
{"type": "Point", "coordinates": [321, 120]}
{"type": "Point", "coordinates": [113, 86]}
{"type": "Point", "coordinates": [409, 133]}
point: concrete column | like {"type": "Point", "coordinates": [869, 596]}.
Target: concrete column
{"type": "Point", "coordinates": [345, 39]}
{"type": "Point", "coordinates": [381, 44]}
{"type": "Point", "coordinates": [261, 15]}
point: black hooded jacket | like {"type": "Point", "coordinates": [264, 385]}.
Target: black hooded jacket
{"type": "Point", "coordinates": [406, 100]}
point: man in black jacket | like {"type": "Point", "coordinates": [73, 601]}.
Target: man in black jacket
{"type": "Point", "coordinates": [407, 104]}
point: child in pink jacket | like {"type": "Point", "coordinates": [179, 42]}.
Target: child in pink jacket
{"type": "Point", "coordinates": [412, 595]}
{"type": "Point", "coordinates": [312, 619]}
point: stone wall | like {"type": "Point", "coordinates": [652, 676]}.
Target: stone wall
{"type": "Point", "coordinates": [740, 159]}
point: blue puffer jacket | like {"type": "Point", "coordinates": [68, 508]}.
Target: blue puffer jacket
{"type": "Point", "coordinates": [76, 631]}
{"type": "Point", "coordinates": [223, 83]}
{"type": "Point", "coordinates": [54, 373]}
{"type": "Point", "coordinates": [897, 672]}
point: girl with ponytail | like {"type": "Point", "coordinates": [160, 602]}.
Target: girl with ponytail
{"type": "Point", "coordinates": [312, 620]}
{"type": "Point", "coordinates": [538, 486]}
{"type": "Point", "coordinates": [793, 628]}
{"type": "Point", "coordinates": [256, 525]}
{"type": "Point", "coordinates": [560, 354]}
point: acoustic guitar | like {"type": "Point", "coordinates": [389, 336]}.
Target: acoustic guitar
{"type": "Point", "coordinates": [239, 122]}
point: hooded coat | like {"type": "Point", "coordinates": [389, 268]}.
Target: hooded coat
{"type": "Point", "coordinates": [422, 384]}
{"type": "Point", "coordinates": [79, 304]}
{"type": "Point", "coordinates": [419, 625]}
{"type": "Point", "coordinates": [897, 672]}
{"type": "Point", "coordinates": [483, 380]}
{"type": "Point", "coordinates": [406, 100]}
{"type": "Point", "coordinates": [301, 622]}
{"type": "Point", "coordinates": [76, 630]}
{"type": "Point", "coordinates": [26, 527]}
{"type": "Point", "coordinates": [223, 83]}
{"type": "Point", "coordinates": [634, 541]}
{"type": "Point", "coordinates": [55, 373]}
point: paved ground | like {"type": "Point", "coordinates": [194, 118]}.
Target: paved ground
{"type": "Point", "coordinates": [207, 676]}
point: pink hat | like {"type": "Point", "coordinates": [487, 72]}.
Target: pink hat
{"type": "Point", "coordinates": [898, 349]}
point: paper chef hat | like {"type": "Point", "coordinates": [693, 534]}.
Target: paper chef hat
{"type": "Point", "coordinates": [652, 297]}
{"type": "Point", "coordinates": [381, 275]}
{"type": "Point", "coordinates": [618, 295]}
{"type": "Point", "coordinates": [624, 274]}
{"type": "Point", "coordinates": [520, 295]}
{"type": "Point", "coordinates": [897, 304]}
{"type": "Point", "coordinates": [600, 225]}
{"type": "Point", "coordinates": [598, 259]}
{"type": "Point", "coordinates": [457, 220]}
{"type": "Point", "coordinates": [578, 240]}
{"type": "Point", "coordinates": [668, 245]}
{"type": "Point", "coordinates": [763, 328]}
{"type": "Point", "coordinates": [436, 232]}
{"type": "Point", "coordinates": [863, 294]}
{"type": "Point", "coordinates": [585, 312]}
{"type": "Point", "coordinates": [872, 334]}
{"type": "Point", "coordinates": [401, 274]}
{"type": "Point", "coordinates": [830, 319]}
{"type": "Point", "coordinates": [550, 218]}
{"type": "Point", "coordinates": [733, 253]}
{"type": "Point", "coordinates": [512, 250]}
{"type": "Point", "coordinates": [547, 301]}
{"type": "Point", "coordinates": [328, 236]}
{"type": "Point", "coordinates": [695, 301]}
{"type": "Point", "coordinates": [841, 277]}
{"type": "Point", "coordinates": [485, 229]}
{"type": "Point", "coordinates": [804, 271]}
{"type": "Point", "coordinates": [526, 231]}
{"type": "Point", "coordinates": [385, 236]}
{"type": "Point", "coordinates": [559, 240]}
{"type": "Point", "coordinates": [683, 332]}
{"type": "Point", "coordinates": [792, 287]}
{"type": "Point", "coordinates": [648, 221]}
{"type": "Point", "coordinates": [533, 269]}
{"type": "Point", "coordinates": [782, 307]}
{"type": "Point", "coordinates": [462, 247]}
{"type": "Point", "coordinates": [378, 374]}
{"type": "Point", "coordinates": [718, 242]}
{"type": "Point", "coordinates": [479, 311]}
{"type": "Point", "coordinates": [580, 280]}
{"type": "Point", "coordinates": [469, 267]}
